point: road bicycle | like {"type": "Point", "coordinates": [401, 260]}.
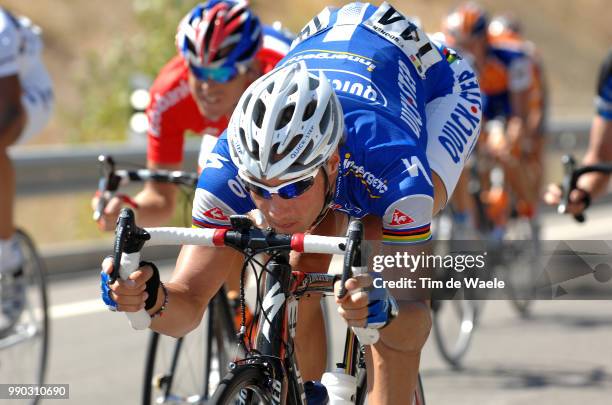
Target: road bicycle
{"type": "Point", "coordinates": [267, 372]}
{"type": "Point", "coordinates": [24, 345]}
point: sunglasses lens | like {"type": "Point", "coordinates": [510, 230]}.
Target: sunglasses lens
{"type": "Point", "coordinates": [287, 192]}
{"type": "Point", "coordinates": [258, 190]}
{"type": "Point", "coordinates": [219, 75]}
{"type": "Point", "coordinates": [296, 189]}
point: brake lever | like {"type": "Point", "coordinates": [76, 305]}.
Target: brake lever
{"type": "Point", "coordinates": [129, 240]}
{"type": "Point", "coordinates": [569, 183]}
{"type": "Point", "coordinates": [109, 182]}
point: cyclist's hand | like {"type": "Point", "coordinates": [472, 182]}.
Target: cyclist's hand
{"type": "Point", "coordinates": [125, 295]}
{"type": "Point", "coordinates": [364, 305]}
{"type": "Point", "coordinates": [108, 220]}
{"type": "Point", "coordinates": [577, 199]}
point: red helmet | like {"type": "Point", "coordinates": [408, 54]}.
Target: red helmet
{"type": "Point", "coordinates": [219, 37]}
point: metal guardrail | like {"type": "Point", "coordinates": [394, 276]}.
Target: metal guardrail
{"type": "Point", "coordinates": [47, 169]}
{"type": "Point", "coordinates": [42, 170]}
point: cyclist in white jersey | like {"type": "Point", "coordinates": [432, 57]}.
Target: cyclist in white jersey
{"type": "Point", "coordinates": [26, 99]}
{"type": "Point", "coordinates": [365, 117]}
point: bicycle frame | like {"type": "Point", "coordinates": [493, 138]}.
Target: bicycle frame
{"type": "Point", "coordinates": [275, 351]}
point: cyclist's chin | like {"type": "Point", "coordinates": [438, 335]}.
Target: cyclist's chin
{"type": "Point", "coordinates": [289, 227]}
{"type": "Point", "coordinates": [211, 111]}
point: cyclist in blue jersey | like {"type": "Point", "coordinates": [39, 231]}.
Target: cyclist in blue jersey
{"type": "Point", "coordinates": [593, 185]}
{"type": "Point", "coordinates": [365, 116]}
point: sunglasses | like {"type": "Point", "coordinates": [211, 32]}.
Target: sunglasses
{"type": "Point", "coordinates": [219, 75]}
{"type": "Point", "coordinates": [291, 189]}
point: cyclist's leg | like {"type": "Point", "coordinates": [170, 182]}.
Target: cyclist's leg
{"type": "Point", "coordinates": [11, 279]}
{"type": "Point", "coordinates": [32, 115]}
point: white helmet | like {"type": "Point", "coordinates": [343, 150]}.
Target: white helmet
{"type": "Point", "coordinates": [286, 124]}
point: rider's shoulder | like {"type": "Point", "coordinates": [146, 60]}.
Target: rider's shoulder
{"type": "Point", "coordinates": [8, 28]}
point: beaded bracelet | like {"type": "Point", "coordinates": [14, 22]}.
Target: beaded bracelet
{"type": "Point", "coordinates": [161, 310]}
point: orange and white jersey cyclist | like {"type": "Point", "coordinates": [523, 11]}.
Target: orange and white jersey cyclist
{"type": "Point", "coordinates": [506, 76]}
{"type": "Point", "coordinates": [504, 71]}
{"type": "Point", "coordinates": [222, 48]}
{"type": "Point", "coordinates": [506, 31]}
{"type": "Point", "coordinates": [26, 103]}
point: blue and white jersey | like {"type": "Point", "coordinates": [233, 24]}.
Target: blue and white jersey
{"type": "Point", "coordinates": [409, 107]}
{"type": "Point", "coordinates": [20, 55]}
{"type": "Point", "coordinates": [603, 100]}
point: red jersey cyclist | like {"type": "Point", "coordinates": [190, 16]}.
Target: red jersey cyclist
{"type": "Point", "coordinates": [222, 48]}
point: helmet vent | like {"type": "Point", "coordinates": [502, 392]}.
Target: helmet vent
{"type": "Point", "coordinates": [313, 83]}
{"type": "Point", "coordinates": [285, 117]}
{"type": "Point", "coordinates": [190, 46]}
{"type": "Point", "coordinates": [246, 103]}
{"type": "Point", "coordinates": [253, 152]}
{"type": "Point", "coordinates": [309, 110]}
{"type": "Point", "coordinates": [324, 123]}
{"type": "Point", "coordinates": [270, 87]}
{"type": "Point", "coordinates": [258, 112]}
{"type": "Point", "coordinates": [277, 157]}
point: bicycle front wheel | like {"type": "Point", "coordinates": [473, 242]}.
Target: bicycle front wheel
{"type": "Point", "coordinates": [24, 346]}
{"type": "Point", "coordinates": [245, 385]}
{"type": "Point", "coordinates": [454, 322]}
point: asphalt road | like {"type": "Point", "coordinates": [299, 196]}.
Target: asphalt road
{"type": "Point", "coordinates": [561, 355]}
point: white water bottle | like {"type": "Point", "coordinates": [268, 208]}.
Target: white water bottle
{"type": "Point", "coordinates": [341, 387]}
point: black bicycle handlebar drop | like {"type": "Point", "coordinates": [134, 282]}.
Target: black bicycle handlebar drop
{"type": "Point", "coordinates": [128, 239]}
{"type": "Point", "coordinates": [569, 183]}
{"type": "Point", "coordinates": [570, 179]}
{"type": "Point", "coordinates": [109, 181]}
{"type": "Point", "coordinates": [352, 257]}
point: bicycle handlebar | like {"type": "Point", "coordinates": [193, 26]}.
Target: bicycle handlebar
{"type": "Point", "coordinates": [129, 240]}
{"type": "Point", "coordinates": [111, 179]}
{"type": "Point", "coordinates": [570, 181]}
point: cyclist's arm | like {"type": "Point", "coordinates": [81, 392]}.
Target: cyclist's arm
{"type": "Point", "coordinates": [156, 201]}
{"type": "Point", "coordinates": [517, 123]}
{"type": "Point", "coordinates": [414, 315]}
{"type": "Point", "coordinates": [520, 79]}
{"type": "Point", "coordinates": [12, 114]}
{"type": "Point", "coordinates": [600, 143]}
{"type": "Point", "coordinates": [599, 151]}
{"type": "Point", "coordinates": [197, 277]}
